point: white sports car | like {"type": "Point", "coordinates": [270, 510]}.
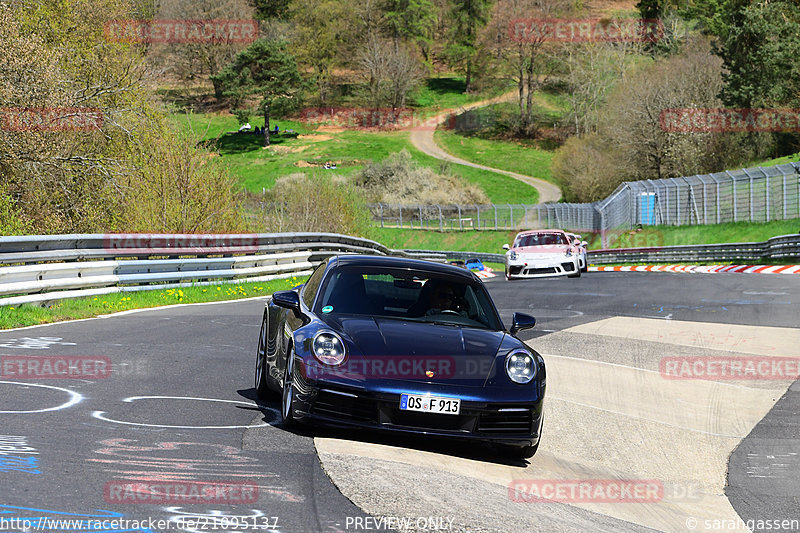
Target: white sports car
{"type": "Point", "coordinates": [580, 245]}
{"type": "Point", "coordinates": [542, 253]}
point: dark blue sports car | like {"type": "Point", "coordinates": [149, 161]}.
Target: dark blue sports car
{"type": "Point", "coordinates": [403, 345]}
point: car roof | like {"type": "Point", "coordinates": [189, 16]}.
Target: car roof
{"type": "Point", "coordinates": [535, 231]}
{"type": "Point", "coordinates": [400, 262]}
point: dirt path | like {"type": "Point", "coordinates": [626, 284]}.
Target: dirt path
{"type": "Point", "coordinates": [422, 138]}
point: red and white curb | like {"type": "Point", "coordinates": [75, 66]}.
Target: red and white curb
{"type": "Point", "coordinates": [485, 273]}
{"type": "Point", "coordinates": [697, 269]}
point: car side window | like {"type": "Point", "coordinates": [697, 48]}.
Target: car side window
{"type": "Point", "coordinates": [311, 286]}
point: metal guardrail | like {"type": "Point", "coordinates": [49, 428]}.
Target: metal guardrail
{"type": "Point", "coordinates": [43, 268]}
{"type": "Point", "coordinates": [777, 248]}
{"type": "Point", "coordinates": [47, 268]}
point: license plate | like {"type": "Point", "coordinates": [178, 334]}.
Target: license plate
{"type": "Point", "coordinates": [430, 404]}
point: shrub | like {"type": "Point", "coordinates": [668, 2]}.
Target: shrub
{"type": "Point", "coordinates": [317, 203]}
{"type": "Point", "coordinates": [179, 187]}
{"type": "Point", "coordinates": [10, 222]}
{"type": "Point", "coordinates": [399, 180]}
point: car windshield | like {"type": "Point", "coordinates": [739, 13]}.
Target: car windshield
{"type": "Point", "coordinates": [540, 239]}
{"type": "Point", "coordinates": [401, 294]}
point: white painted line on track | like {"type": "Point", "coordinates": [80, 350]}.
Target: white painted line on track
{"type": "Point", "coordinates": [100, 415]}
{"type": "Point", "coordinates": [75, 398]}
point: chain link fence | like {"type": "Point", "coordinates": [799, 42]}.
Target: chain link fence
{"type": "Point", "coordinates": [759, 194]}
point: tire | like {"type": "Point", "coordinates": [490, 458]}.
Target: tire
{"type": "Point", "coordinates": [262, 390]}
{"type": "Point", "coordinates": [576, 274]}
{"type": "Point", "coordinates": [287, 391]}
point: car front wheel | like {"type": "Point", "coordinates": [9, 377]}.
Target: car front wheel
{"type": "Point", "coordinates": [262, 390]}
{"type": "Point", "coordinates": [287, 395]}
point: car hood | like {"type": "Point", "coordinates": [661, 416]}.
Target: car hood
{"type": "Point", "coordinates": [542, 251]}
{"type": "Point", "coordinates": [391, 349]}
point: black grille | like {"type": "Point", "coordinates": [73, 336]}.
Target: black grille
{"type": "Point", "coordinates": [568, 267]}
{"type": "Point", "coordinates": [505, 422]}
{"type": "Point", "coordinates": [548, 270]}
{"type": "Point", "coordinates": [340, 406]}
{"type": "Point", "coordinates": [411, 419]}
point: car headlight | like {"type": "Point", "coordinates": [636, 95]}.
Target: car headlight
{"type": "Point", "coordinates": [328, 348]}
{"type": "Point", "coordinates": [520, 366]}
{"type": "Point", "coordinates": [512, 255]}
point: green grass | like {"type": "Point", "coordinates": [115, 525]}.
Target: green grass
{"type": "Point", "coordinates": [457, 241]}
{"type": "Point", "coordinates": [33, 314]}
{"type": "Point", "coordinates": [492, 241]}
{"type": "Point", "coordinates": [722, 233]}
{"type": "Point", "coordinates": [516, 157]}
{"type": "Point", "coordinates": [778, 161]}
{"type": "Point", "coordinates": [520, 156]}
{"type": "Point", "coordinates": [448, 93]}
{"type": "Point", "coordinates": [258, 168]}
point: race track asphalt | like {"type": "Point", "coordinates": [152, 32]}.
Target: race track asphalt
{"type": "Point", "coordinates": [179, 406]}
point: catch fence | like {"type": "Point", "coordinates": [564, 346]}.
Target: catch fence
{"type": "Point", "coordinates": [759, 194]}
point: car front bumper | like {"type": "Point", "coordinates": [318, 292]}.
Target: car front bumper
{"type": "Point", "coordinates": [515, 423]}
{"type": "Point", "coordinates": [541, 268]}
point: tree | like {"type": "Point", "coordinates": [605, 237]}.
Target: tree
{"type": "Point", "coordinates": [191, 61]}
{"type": "Point", "coordinates": [631, 142]}
{"type": "Point", "coordinates": [403, 73]}
{"type": "Point", "coordinates": [391, 70]}
{"type": "Point", "coordinates": [591, 70]}
{"type": "Point", "coordinates": [266, 70]}
{"type": "Point", "coordinates": [651, 9]}
{"type": "Point", "coordinates": [467, 17]}
{"type": "Point", "coordinates": [760, 50]}
{"type": "Point", "coordinates": [527, 59]}
{"type": "Point", "coordinates": [373, 60]}
{"type": "Point", "coordinates": [271, 9]}
{"type": "Point", "coordinates": [631, 120]}
{"type": "Point", "coordinates": [107, 174]}
{"type": "Point", "coordinates": [411, 20]}
{"type": "Point", "coordinates": [322, 29]}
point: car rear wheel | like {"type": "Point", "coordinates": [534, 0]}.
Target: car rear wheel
{"type": "Point", "coordinates": [287, 395]}
{"type": "Point", "coordinates": [262, 390]}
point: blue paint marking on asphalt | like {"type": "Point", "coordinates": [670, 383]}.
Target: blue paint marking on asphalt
{"type": "Point", "coordinates": [12, 463]}
{"type": "Point", "coordinates": [12, 516]}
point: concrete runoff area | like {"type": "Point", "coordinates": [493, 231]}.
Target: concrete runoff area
{"type": "Point", "coordinates": [603, 421]}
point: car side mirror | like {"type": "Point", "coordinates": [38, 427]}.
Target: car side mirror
{"type": "Point", "coordinates": [288, 300]}
{"type": "Point", "coordinates": [521, 321]}
{"type": "Point", "coordinates": [584, 244]}
{"type": "Point", "coordinates": [506, 247]}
